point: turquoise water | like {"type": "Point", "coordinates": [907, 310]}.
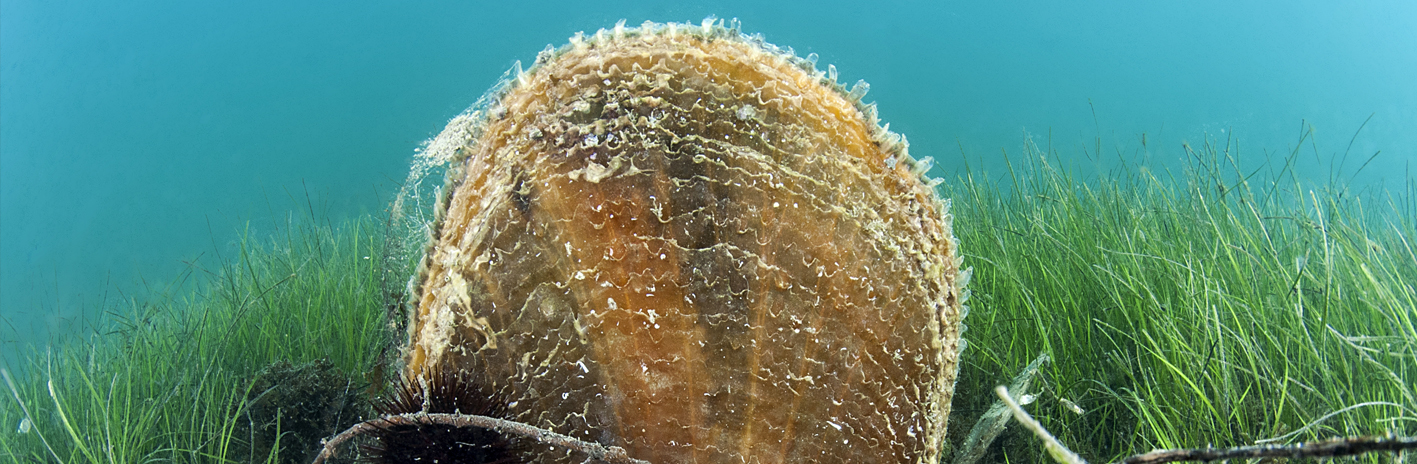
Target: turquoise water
{"type": "Point", "coordinates": [138, 137]}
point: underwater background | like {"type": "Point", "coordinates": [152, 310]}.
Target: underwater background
{"type": "Point", "coordinates": [139, 139]}
{"type": "Point", "coordinates": [1193, 222]}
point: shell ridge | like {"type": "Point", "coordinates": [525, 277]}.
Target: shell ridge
{"type": "Point", "coordinates": [806, 254]}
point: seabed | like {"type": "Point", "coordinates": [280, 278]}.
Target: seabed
{"type": "Point", "coordinates": [1222, 303]}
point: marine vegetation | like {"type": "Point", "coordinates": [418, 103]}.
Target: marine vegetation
{"type": "Point", "coordinates": [1225, 301]}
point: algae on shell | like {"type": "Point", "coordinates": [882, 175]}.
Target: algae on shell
{"type": "Point", "coordinates": [690, 243]}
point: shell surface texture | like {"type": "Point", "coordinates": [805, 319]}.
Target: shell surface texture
{"type": "Point", "coordinates": [687, 242]}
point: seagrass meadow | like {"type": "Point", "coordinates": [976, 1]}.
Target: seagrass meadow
{"type": "Point", "coordinates": [610, 246]}
{"type": "Point", "coordinates": [1220, 304]}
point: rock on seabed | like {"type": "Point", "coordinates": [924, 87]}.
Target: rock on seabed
{"type": "Point", "coordinates": [690, 243]}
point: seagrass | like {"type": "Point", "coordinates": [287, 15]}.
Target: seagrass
{"type": "Point", "coordinates": [689, 243]}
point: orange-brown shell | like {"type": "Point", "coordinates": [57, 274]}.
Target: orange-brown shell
{"type": "Point", "coordinates": [685, 242]}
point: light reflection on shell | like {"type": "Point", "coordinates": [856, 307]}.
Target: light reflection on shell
{"type": "Point", "coordinates": [684, 241]}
